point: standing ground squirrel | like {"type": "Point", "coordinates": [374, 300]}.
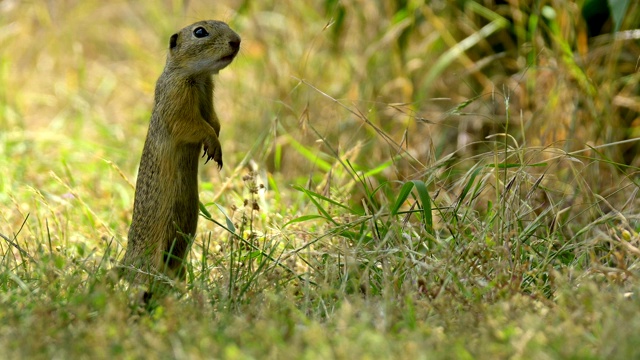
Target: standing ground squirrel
{"type": "Point", "coordinates": [165, 210]}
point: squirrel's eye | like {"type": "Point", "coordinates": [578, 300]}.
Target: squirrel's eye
{"type": "Point", "coordinates": [200, 32]}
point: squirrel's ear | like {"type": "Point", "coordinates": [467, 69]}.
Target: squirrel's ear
{"type": "Point", "coordinates": [173, 41]}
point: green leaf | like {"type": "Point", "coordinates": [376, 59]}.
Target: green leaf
{"type": "Point", "coordinates": [618, 10]}
{"type": "Point", "coordinates": [204, 210]}
{"type": "Point", "coordinates": [311, 155]}
{"type": "Point", "coordinates": [302, 219]}
{"type": "Point", "coordinates": [312, 196]}
{"type": "Point", "coordinates": [230, 226]}
{"type": "Point", "coordinates": [455, 52]}
{"type": "Point", "coordinates": [467, 187]}
{"type": "Point", "coordinates": [377, 169]}
{"type": "Point", "coordinates": [315, 194]}
{"type": "Point", "coordinates": [425, 201]}
{"type": "Point", "coordinates": [402, 197]}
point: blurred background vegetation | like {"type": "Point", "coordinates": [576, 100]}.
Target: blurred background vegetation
{"type": "Point", "coordinates": [517, 120]}
{"type": "Point", "coordinates": [317, 81]}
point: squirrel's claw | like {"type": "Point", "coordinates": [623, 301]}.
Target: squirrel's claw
{"type": "Point", "coordinates": [216, 157]}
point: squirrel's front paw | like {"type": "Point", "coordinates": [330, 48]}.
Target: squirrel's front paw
{"type": "Point", "coordinates": [213, 150]}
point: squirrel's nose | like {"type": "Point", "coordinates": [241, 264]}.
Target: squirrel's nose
{"type": "Point", "coordinates": [235, 44]}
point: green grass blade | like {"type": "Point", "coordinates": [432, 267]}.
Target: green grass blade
{"type": "Point", "coordinates": [425, 202]}
{"type": "Point", "coordinates": [204, 210]}
{"type": "Point", "coordinates": [303, 218]}
{"type": "Point", "coordinates": [312, 196]}
{"type": "Point", "coordinates": [402, 197]}
{"type": "Point", "coordinates": [377, 169]}
{"type": "Point", "coordinates": [467, 186]}
{"type": "Point", "coordinates": [324, 198]}
{"type": "Point", "coordinates": [228, 220]}
{"type": "Point", "coordinates": [423, 199]}
{"type": "Point", "coordinates": [452, 54]}
{"type": "Point", "coordinates": [311, 155]}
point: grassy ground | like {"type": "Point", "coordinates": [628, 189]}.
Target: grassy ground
{"type": "Point", "coordinates": [455, 180]}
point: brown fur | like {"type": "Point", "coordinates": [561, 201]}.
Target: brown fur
{"type": "Point", "coordinates": [165, 210]}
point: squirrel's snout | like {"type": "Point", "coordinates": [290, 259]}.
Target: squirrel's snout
{"type": "Point", "coordinates": [235, 44]}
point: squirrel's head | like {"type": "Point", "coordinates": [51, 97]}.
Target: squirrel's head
{"type": "Point", "coordinates": [203, 47]}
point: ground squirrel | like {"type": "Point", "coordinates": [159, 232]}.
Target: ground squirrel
{"type": "Point", "coordinates": [165, 210]}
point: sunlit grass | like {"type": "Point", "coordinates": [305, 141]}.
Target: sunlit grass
{"type": "Point", "coordinates": [400, 181]}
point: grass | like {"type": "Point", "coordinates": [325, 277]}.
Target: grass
{"type": "Point", "coordinates": [455, 180]}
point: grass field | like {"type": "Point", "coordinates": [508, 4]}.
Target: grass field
{"type": "Point", "coordinates": [452, 180]}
